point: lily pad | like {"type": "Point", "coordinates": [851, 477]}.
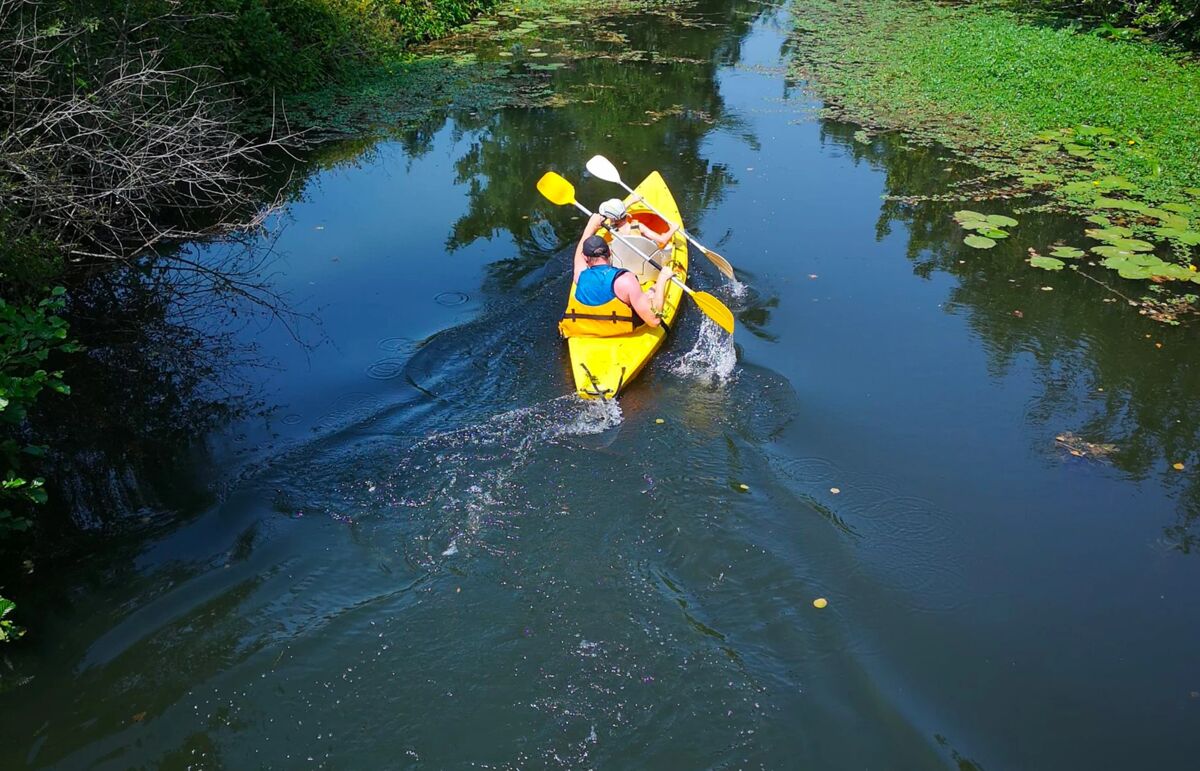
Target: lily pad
{"type": "Point", "coordinates": [1067, 252]}
{"type": "Point", "coordinates": [1039, 177]}
{"type": "Point", "coordinates": [1177, 221]}
{"type": "Point", "coordinates": [1120, 203]}
{"type": "Point", "coordinates": [966, 214]}
{"type": "Point", "coordinates": [1134, 266]}
{"type": "Point", "coordinates": [1189, 237]}
{"type": "Point", "coordinates": [1001, 221]}
{"type": "Point", "coordinates": [862, 137]}
{"type": "Point", "coordinates": [1132, 245]}
{"type": "Point", "coordinates": [1173, 271]}
{"type": "Point", "coordinates": [1046, 263]}
{"type": "Point", "coordinates": [990, 232]}
{"type": "Point", "coordinates": [1099, 219]}
{"type": "Point", "coordinates": [1192, 191]}
{"type": "Point", "coordinates": [1108, 234]}
{"type": "Point", "coordinates": [1114, 182]}
{"type": "Point", "coordinates": [1181, 208]}
{"type": "Point", "coordinates": [979, 242]}
{"type": "Point", "coordinates": [1111, 251]}
{"type": "Point", "coordinates": [1079, 187]}
{"type": "Point", "coordinates": [1135, 272]}
{"type": "Point", "coordinates": [487, 22]}
{"type": "Point", "coordinates": [975, 225]}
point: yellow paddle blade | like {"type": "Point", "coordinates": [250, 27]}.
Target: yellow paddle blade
{"type": "Point", "coordinates": [556, 189]}
{"type": "Point", "coordinates": [715, 310]}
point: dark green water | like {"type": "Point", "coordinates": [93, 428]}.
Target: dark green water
{"type": "Point", "coordinates": [426, 556]}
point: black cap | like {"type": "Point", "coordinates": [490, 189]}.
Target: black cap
{"type": "Point", "coordinates": [595, 246]}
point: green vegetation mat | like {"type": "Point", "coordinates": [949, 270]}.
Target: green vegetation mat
{"type": "Point", "coordinates": [979, 75]}
{"type": "Point", "coordinates": [1099, 126]}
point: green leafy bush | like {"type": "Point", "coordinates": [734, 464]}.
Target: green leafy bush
{"type": "Point", "coordinates": [1174, 20]}
{"type": "Point", "coordinates": [27, 336]}
{"type": "Point", "coordinates": [289, 46]}
{"type": "Point", "coordinates": [8, 630]}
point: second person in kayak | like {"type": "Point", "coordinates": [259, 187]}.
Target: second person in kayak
{"type": "Point", "coordinates": [617, 219]}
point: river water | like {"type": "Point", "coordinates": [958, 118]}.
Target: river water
{"type": "Point", "coordinates": [424, 554]}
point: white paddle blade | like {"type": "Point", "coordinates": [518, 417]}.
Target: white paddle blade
{"type": "Point", "coordinates": [602, 168]}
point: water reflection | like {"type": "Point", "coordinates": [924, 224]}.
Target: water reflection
{"type": "Point", "coordinates": [167, 361]}
{"type": "Point", "coordinates": [642, 117]}
{"type": "Point", "coordinates": [1104, 372]}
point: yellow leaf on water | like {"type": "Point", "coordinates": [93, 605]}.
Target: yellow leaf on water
{"type": "Point", "coordinates": [820, 602]}
{"type": "Point", "coordinates": [1177, 466]}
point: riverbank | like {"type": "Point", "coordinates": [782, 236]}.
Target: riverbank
{"type": "Point", "coordinates": [129, 131]}
{"type": "Point", "coordinates": [1062, 119]}
{"type": "Point", "coordinates": [345, 72]}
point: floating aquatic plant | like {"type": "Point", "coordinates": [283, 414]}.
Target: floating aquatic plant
{"type": "Point", "coordinates": [988, 227]}
{"type": "Point", "coordinates": [1046, 263]}
{"type": "Point", "coordinates": [979, 242]}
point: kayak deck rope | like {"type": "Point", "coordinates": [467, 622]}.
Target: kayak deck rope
{"type": "Point", "coordinates": [596, 390]}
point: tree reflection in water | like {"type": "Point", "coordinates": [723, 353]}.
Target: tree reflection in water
{"type": "Point", "coordinates": [167, 360]}
{"type": "Point", "coordinates": [1093, 357]}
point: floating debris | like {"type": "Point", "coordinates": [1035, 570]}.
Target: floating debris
{"type": "Point", "coordinates": [1080, 448]}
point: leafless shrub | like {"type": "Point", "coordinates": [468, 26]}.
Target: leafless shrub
{"type": "Point", "coordinates": [115, 155]}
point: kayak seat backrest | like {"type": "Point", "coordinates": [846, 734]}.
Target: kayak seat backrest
{"type": "Point", "coordinates": [624, 257]}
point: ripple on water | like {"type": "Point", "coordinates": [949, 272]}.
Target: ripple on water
{"type": "Point", "coordinates": [906, 541]}
{"type": "Point", "coordinates": [397, 344]}
{"type": "Point", "coordinates": [346, 409]}
{"type": "Point", "coordinates": [450, 299]}
{"type": "Point", "coordinates": [386, 369]}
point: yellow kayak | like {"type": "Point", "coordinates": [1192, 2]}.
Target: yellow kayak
{"type": "Point", "coordinates": [602, 366]}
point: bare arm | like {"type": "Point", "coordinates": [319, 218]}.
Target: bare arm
{"type": "Point", "coordinates": [589, 230]}
{"type": "Point", "coordinates": [645, 304]}
{"type": "Point", "coordinates": [660, 238]}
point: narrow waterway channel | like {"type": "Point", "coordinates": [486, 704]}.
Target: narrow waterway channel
{"type": "Point", "coordinates": [427, 555]}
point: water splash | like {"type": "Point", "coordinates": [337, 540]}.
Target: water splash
{"type": "Point", "coordinates": [592, 417]}
{"type": "Point", "coordinates": [712, 358]}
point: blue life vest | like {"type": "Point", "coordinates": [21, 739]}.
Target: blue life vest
{"type": "Point", "coordinates": [595, 285]}
{"type": "Point", "coordinates": [594, 310]}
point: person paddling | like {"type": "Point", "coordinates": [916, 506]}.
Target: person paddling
{"type": "Point", "coordinates": [608, 300]}
{"type": "Point", "coordinates": [617, 218]}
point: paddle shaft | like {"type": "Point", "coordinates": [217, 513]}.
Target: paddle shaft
{"type": "Point", "coordinates": [639, 252]}
{"type": "Point", "coordinates": [603, 168]}
{"type": "Point", "coordinates": [652, 208]}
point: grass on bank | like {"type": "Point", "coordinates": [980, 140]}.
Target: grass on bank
{"type": "Point", "coordinates": [980, 76]}
{"type": "Point", "coordinates": [1101, 127]}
